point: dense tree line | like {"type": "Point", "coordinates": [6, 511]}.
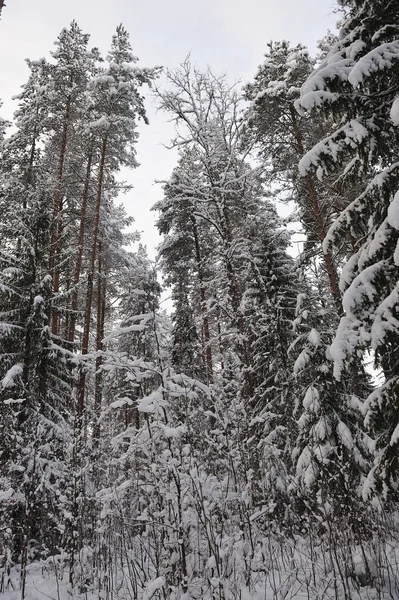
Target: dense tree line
{"type": "Point", "coordinates": [239, 447]}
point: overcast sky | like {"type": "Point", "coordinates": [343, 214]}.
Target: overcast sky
{"type": "Point", "coordinates": [229, 35]}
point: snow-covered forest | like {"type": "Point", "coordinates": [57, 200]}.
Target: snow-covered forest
{"type": "Point", "coordinates": [245, 444]}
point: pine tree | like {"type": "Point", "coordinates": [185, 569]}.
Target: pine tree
{"type": "Point", "coordinates": [281, 135]}
{"type": "Point", "coordinates": [66, 99]}
{"type": "Point", "coordinates": [47, 191]}
{"type": "Point", "coordinates": [117, 107]}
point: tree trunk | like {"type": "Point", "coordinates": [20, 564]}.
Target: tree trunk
{"type": "Point", "coordinates": [320, 225]}
{"type": "Point", "coordinates": [28, 177]}
{"type": "Point", "coordinates": [235, 297]}
{"type": "Point", "coordinates": [90, 286]}
{"type": "Point", "coordinates": [328, 258]}
{"type": "Point", "coordinates": [101, 289]}
{"type": "Point", "coordinates": [79, 257]}
{"type": "Point", "coordinates": [57, 223]}
{"type": "Point", "coordinates": [207, 351]}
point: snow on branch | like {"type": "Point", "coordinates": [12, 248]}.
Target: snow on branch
{"type": "Point", "coordinates": [378, 59]}
{"type": "Point", "coordinates": [378, 185]}
{"type": "Point", "coordinates": [352, 331]}
{"type": "Point", "coordinates": [384, 319]}
{"type": "Point", "coordinates": [8, 379]}
{"type": "Point", "coordinates": [315, 89]}
{"type": "Point", "coordinates": [349, 136]}
{"type": "Point", "coordinates": [348, 337]}
{"type": "Point", "coordinates": [143, 320]}
{"type": "Point", "coordinates": [377, 399]}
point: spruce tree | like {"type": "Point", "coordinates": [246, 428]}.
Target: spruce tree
{"type": "Point", "coordinates": [281, 134]}
{"type": "Point", "coordinates": [357, 85]}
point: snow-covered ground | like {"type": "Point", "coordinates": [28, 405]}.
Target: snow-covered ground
{"type": "Point", "coordinates": [287, 571]}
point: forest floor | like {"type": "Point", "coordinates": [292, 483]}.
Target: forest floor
{"type": "Point", "coordinates": [300, 573]}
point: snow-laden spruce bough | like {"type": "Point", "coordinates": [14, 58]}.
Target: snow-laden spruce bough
{"type": "Point", "coordinates": [241, 447]}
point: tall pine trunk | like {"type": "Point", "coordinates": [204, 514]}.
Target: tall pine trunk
{"type": "Point", "coordinates": [235, 297]}
{"type": "Point", "coordinates": [79, 257]}
{"type": "Point", "coordinates": [206, 349]}
{"type": "Point", "coordinates": [101, 291]}
{"type": "Point", "coordinates": [80, 404]}
{"type": "Point", "coordinates": [90, 288]}
{"type": "Point", "coordinates": [320, 224]}
{"type": "Point", "coordinates": [57, 221]}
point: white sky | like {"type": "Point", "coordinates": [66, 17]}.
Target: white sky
{"type": "Point", "coordinates": [229, 35]}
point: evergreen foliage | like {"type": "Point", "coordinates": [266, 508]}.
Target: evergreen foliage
{"type": "Point", "coordinates": [230, 449]}
{"type": "Point", "coordinates": [356, 84]}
